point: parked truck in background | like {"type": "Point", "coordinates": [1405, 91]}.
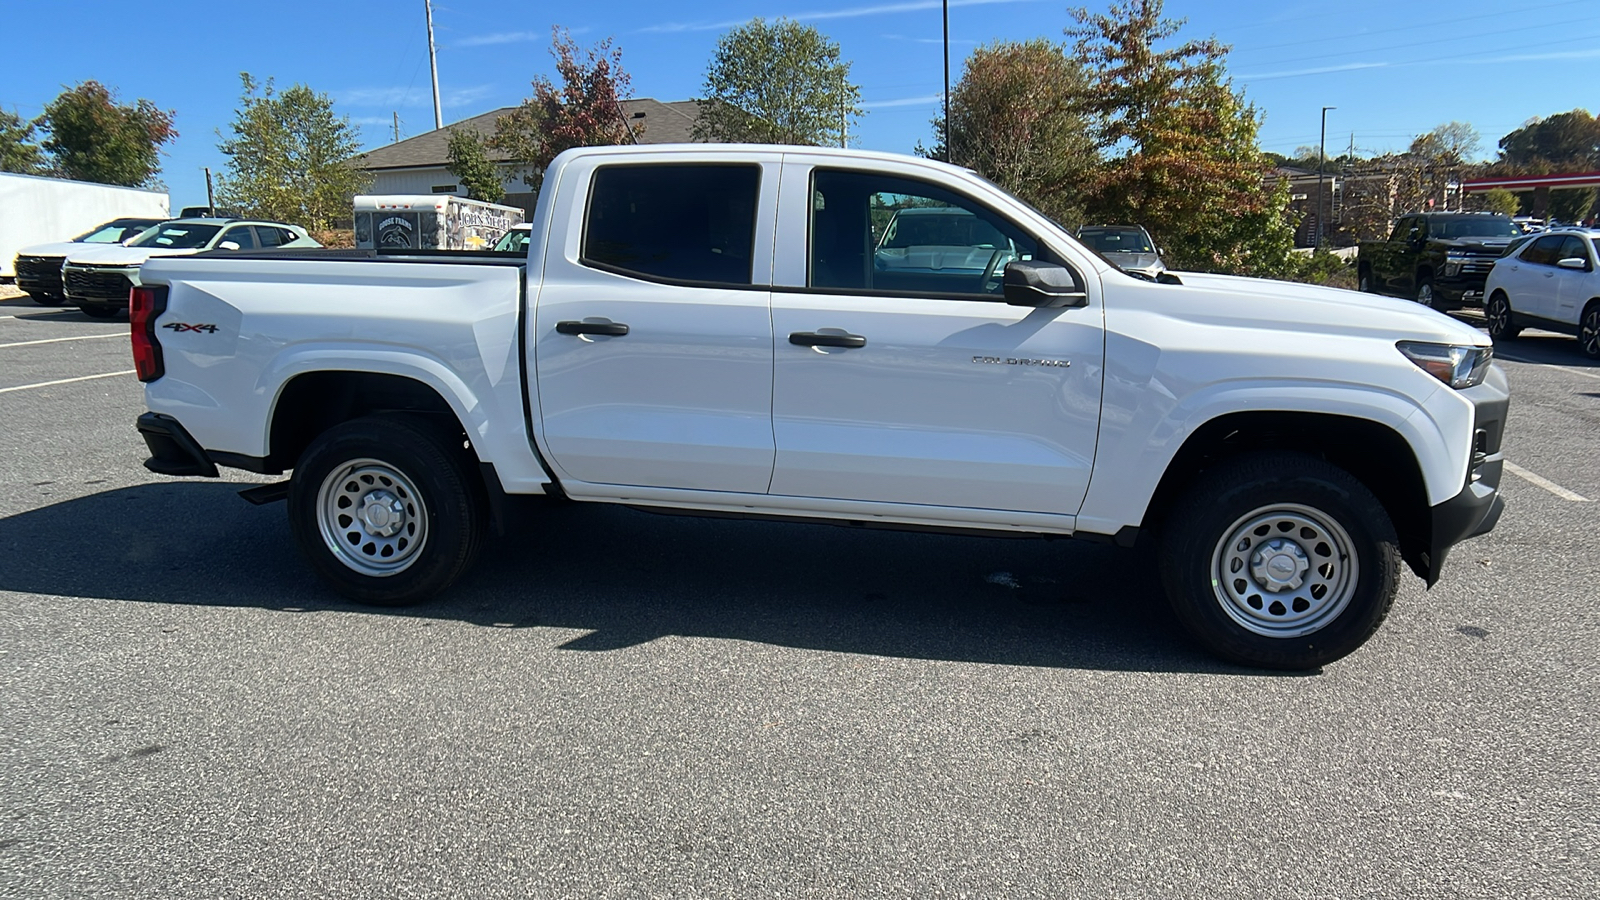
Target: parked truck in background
{"type": "Point", "coordinates": [1437, 259]}
{"type": "Point", "coordinates": [706, 329]}
{"type": "Point", "coordinates": [430, 222]}
{"type": "Point", "coordinates": [36, 210]}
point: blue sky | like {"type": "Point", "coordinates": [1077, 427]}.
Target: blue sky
{"type": "Point", "coordinates": [1393, 69]}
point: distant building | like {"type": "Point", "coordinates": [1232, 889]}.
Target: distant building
{"type": "Point", "coordinates": [417, 165]}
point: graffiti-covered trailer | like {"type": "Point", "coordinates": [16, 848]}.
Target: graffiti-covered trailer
{"type": "Point", "coordinates": [430, 222]}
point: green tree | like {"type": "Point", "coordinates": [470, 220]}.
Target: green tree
{"type": "Point", "coordinates": [290, 158]}
{"type": "Point", "coordinates": [1571, 205]}
{"type": "Point", "coordinates": [1014, 119]}
{"type": "Point", "coordinates": [18, 152]}
{"type": "Point", "coordinates": [470, 162]}
{"type": "Point", "coordinates": [1501, 200]}
{"type": "Point", "coordinates": [92, 138]}
{"type": "Point", "coordinates": [783, 83]}
{"type": "Point", "coordinates": [1179, 145]}
{"type": "Point", "coordinates": [584, 111]}
{"type": "Point", "coordinates": [1567, 141]}
{"type": "Point", "coordinates": [1450, 144]}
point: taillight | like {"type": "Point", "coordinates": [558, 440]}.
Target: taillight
{"type": "Point", "coordinates": [145, 305]}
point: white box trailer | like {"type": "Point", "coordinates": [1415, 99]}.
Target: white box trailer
{"type": "Point", "coordinates": [36, 210]}
{"type": "Point", "coordinates": [430, 222]}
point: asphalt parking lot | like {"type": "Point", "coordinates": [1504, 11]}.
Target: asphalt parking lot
{"type": "Point", "coordinates": [626, 705]}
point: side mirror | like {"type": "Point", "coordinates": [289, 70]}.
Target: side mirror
{"type": "Point", "coordinates": [1042, 285]}
{"type": "Point", "coordinates": [1573, 262]}
{"type": "Point", "coordinates": [228, 245]}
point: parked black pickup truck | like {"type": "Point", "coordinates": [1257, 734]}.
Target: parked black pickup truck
{"type": "Point", "coordinates": [1437, 259]}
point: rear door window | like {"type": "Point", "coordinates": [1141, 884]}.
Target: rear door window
{"type": "Point", "coordinates": [269, 236]}
{"type": "Point", "coordinates": [676, 223]}
{"type": "Point", "coordinates": [1573, 246]}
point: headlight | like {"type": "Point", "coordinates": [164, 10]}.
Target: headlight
{"type": "Point", "coordinates": [1460, 366]}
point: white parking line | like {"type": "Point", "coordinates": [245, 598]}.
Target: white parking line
{"type": "Point", "coordinates": [29, 387]}
{"type": "Point", "coordinates": [42, 312]}
{"type": "Point", "coordinates": [81, 337]}
{"type": "Point", "coordinates": [1545, 483]}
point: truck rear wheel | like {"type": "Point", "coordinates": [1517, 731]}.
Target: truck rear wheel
{"type": "Point", "coordinates": [1281, 561]}
{"type": "Point", "coordinates": [386, 509]}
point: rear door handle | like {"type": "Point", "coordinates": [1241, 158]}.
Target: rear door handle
{"type": "Point", "coordinates": [814, 339]}
{"type": "Point", "coordinates": [615, 329]}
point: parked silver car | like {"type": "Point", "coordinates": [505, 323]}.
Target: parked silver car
{"type": "Point", "coordinates": [1128, 247]}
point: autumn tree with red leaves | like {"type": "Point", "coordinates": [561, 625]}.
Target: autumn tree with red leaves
{"type": "Point", "coordinates": [93, 138]}
{"type": "Point", "coordinates": [585, 110]}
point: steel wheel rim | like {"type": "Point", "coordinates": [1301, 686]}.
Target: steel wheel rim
{"type": "Point", "coordinates": [372, 517]}
{"type": "Point", "coordinates": [1284, 571]}
{"type": "Point", "coordinates": [1589, 334]}
{"type": "Point", "coordinates": [1425, 295]}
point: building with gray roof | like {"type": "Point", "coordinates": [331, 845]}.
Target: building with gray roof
{"type": "Point", "coordinates": [417, 165]}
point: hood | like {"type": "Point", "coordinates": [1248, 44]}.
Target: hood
{"type": "Point", "coordinates": [1481, 246]}
{"type": "Point", "coordinates": [117, 255]}
{"type": "Point", "coordinates": [59, 248]}
{"type": "Point", "coordinates": [1234, 300]}
{"type": "Point", "coordinates": [1139, 262]}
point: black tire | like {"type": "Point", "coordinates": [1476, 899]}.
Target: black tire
{"type": "Point", "coordinates": [1589, 330]}
{"type": "Point", "coordinates": [423, 484]}
{"type": "Point", "coordinates": [47, 299]}
{"type": "Point", "coordinates": [1293, 497]}
{"type": "Point", "coordinates": [100, 312]}
{"type": "Point", "coordinates": [1501, 320]}
{"type": "Point", "coordinates": [1425, 294]}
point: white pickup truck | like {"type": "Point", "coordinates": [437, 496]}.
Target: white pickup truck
{"type": "Point", "coordinates": [719, 329]}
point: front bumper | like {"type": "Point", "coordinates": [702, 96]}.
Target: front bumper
{"type": "Point", "coordinates": [173, 451]}
{"type": "Point", "coordinates": [40, 276]}
{"type": "Point", "coordinates": [1477, 508]}
{"type": "Point", "coordinates": [99, 287]}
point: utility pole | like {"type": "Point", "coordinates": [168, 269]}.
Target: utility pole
{"type": "Point", "coordinates": [397, 126]}
{"type": "Point", "coordinates": [211, 203]}
{"type": "Point", "coordinates": [946, 5]}
{"type": "Point", "coordinates": [433, 63]}
{"type": "Point", "coordinates": [1322, 147]}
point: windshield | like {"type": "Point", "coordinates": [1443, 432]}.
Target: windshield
{"type": "Point", "coordinates": [178, 237]}
{"type": "Point", "coordinates": [938, 228]}
{"type": "Point", "coordinates": [1473, 226]}
{"type": "Point", "coordinates": [112, 233]}
{"type": "Point", "coordinates": [1117, 240]}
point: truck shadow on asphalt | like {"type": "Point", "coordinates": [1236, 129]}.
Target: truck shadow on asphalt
{"type": "Point", "coordinates": [628, 577]}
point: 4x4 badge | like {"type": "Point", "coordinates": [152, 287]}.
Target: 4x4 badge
{"type": "Point", "coordinates": [181, 327]}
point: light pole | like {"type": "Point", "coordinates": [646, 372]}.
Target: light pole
{"type": "Point", "coordinates": [433, 63]}
{"type": "Point", "coordinates": [1322, 145]}
{"type": "Point", "coordinates": [946, 6]}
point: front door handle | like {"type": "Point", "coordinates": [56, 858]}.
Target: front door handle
{"type": "Point", "coordinates": [814, 339]}
{"type": "Point", "coordinates": [615, 329]}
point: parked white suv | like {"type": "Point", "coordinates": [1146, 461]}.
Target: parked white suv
{"type": "Point", "coordinates": [97, 280]}
{"type": "Point", "coordinates": [1551, 282]}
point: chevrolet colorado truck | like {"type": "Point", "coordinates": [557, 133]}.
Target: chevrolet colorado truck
{"type": "Point", "coordinates": [1437, 259]}
{"type": "Point", "coordinates": [709, 329]}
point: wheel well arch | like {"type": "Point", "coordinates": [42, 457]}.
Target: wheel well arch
{"type": "Point", "coordinates": [312, 402]}
{"type": "Point", "coordinates": [1375, 454]}
{"type": "Point", "coordinates": [1424, 272]}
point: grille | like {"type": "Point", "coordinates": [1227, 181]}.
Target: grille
{"type": "Point", "coordinates": [1479, 266]}
{"type": "Point", "coordinates": [40, 274]}
{"type": "Point", "coordinates": [101, 286]}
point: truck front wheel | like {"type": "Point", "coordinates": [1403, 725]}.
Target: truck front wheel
{"type": "Point", "coordinates": [386, 509]}
{"type": "Point", "coordinates": [1280, 560]}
